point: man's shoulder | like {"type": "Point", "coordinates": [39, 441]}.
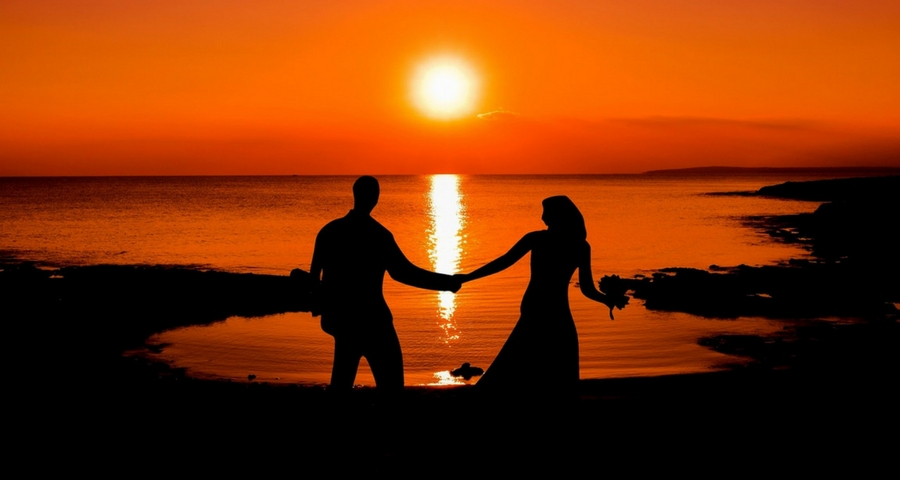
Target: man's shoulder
{"type": "Point", "coordinates": [352, 224]}
{"type": "Point", "coordinates": [375, 229]}
{"type": "Point", "coordinates": [331, 227]}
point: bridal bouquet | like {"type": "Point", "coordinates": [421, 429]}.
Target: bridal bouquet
{"type": "Point", "coordinates": [615, 288]}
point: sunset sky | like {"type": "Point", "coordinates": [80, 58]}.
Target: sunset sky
{"type": "Point", "coordinates": [164, 87]}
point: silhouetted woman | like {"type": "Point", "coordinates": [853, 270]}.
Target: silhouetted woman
{"type": "Point", "coordinates": [541, 353]}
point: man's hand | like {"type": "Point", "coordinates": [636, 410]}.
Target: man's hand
{"type": "Point", "coordinates": [461, 278]}
{"type": "Point", "coordinates": [455, 284]}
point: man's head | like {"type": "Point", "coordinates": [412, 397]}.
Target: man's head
{"type": "Point", "coordinates": [365, 194]}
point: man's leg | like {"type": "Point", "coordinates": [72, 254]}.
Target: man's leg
{"type": "Point", "coordinates": [386, 360]}
{"type": "Point", "coordinates": [347, 354]}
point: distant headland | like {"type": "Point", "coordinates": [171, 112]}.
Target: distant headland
{"type": "Point", "coordinates": [721, 170]}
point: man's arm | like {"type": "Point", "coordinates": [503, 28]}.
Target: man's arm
{"type": "Point", "coordinates": [315, 273]}
{"type": "Point", "coordinates": [403, 271]}
{"type": "Point", "coordinates": [315, 267]}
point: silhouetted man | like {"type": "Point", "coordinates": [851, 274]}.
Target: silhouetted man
{"type": "Point", "coordinates": [351, 255]}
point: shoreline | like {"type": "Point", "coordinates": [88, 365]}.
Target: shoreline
{"type": "Point", "coordinates": [820, 384]}
{"type": "Point", "coordinates": [846, 278]}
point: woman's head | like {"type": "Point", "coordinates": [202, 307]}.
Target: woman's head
{"type": "Point", "coordinates": [562, 216]}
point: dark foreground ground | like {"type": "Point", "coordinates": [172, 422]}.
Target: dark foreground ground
{"type": "Point", "coordinates": [818, 398]}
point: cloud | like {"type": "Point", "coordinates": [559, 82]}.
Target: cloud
{"type": "Point", "coordinates": [498, 115]}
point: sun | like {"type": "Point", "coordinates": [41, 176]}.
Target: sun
{"type": "Point", "coordinates": [444, 88]}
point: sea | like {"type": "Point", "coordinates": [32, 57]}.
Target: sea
{"type": "Point", "coordinates": [449, 223]}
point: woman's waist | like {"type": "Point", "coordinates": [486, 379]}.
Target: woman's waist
{"type": "Point", "coordinates": [548, 295]}
{"type": "Point", "coordinates": [546, 306]}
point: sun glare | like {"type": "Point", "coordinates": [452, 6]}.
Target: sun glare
{"type": "Point", "coordinates": [444, 88]}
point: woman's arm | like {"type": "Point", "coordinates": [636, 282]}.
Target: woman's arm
{"type": "Point", "coordinates": [589, 288]}
{"type": "Point", "coordinates": [515, 253]}
{"type": "Point", "coordinates": [586, 277]}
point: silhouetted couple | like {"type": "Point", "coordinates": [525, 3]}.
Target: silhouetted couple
{"type": "Point", "coordinates": [353, 253]}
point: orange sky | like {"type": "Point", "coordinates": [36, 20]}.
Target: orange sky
{"type": "Point", "coordinates": [320, 87]}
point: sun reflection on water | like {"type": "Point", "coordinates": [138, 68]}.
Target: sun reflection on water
{"type": "Point", "coordinates": [445, 378]}
{"type": "Point", "coordinates": [445, 241]}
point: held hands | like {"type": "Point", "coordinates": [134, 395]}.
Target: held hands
{"type": "Point", "coordinates": [457, 281]}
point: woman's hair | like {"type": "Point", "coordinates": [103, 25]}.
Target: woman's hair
{"type": "Point", "coordinates": [562, 216]}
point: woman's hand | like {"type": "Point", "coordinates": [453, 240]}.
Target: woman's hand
{"type": "Point", "coordinates": [615, 302]}
{"type": "Point", "coordinates": [620, 302]}
{"type": "Point", "coordinates": [615, 298]}
{"type": "Point", "coordinates": [614, 289]}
